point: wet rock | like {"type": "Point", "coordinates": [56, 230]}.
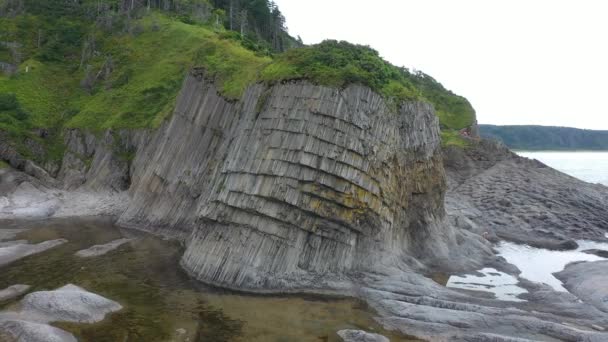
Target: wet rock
{"type": "Point", "coordinates": [599, 252]}
{"type": "Point", "coordinates": [69, 303]}
{"type": "Point", "coordinates": [99, 250]}
{"type": "Point", "coordinates": [522, 200]}
{"type": "Point", "coordinates": [597, 327]}
{"type": "Point", "coordinates": [294, 186]}
{"type": "Point", "coordinates": [588, 281]}
{"type": "Point", "coordinates": [24, 331]}
{"type": "Point", "coordinates": [17, 251]}
{"type": "Point", "coordinates": [360, 336]}
{"type": "Point", "coordinates": [13, 291]}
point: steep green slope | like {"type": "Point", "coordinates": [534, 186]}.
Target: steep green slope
{"type": "Point", "coordinates": [81, 67]}
{"type": "Point", "coordinates": [339, 63]}
{"type": "Point", "coordinates": [546, 137]}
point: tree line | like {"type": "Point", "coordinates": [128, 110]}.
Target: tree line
{"type": "Point", "coordinates": [258, 21]}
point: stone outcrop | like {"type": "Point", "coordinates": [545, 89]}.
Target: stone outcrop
{"type": "Point", "coordinates": [521, 200]}
{"type": "Point", "coordinates": [588, 280]}
{"type": "Point", "coordinates": [13, 291]}
{"type": "Point", "coordinates": [315, 181]}
{"type": "Point", "coordinates": [291, 184]}
{"type": "Point", "coordinates": [69, 303]}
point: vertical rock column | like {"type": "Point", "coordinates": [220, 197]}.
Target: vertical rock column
{"type": "Point", "coordinates": [316, 182]}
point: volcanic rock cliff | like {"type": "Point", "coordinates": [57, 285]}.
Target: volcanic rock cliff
{"type": "Point", "coordinates": [291, 182]}
{"type": "Point", "coordinates": [299, 187]}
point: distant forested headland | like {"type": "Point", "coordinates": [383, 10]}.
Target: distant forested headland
{"type": "Point", "coordinates": [546, 137]}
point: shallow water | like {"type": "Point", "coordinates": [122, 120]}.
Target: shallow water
{"type": "Point", "coordinates": [502, 285]}
{"type": "Point", "coordinates": [160, 302]}
{"type": "Point", "coordinates": [588, 166]}
{"type": "Point", "coordinates": [538, 264]}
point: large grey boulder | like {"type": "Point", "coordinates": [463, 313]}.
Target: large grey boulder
{"type": "Point", "coordinates": [69, 303]}
{"type": "Point", "coordinates": [589, 281]}
{"type": "Point", "coordinates": [24, 331]}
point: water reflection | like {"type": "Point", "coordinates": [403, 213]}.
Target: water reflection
{"type": "Point", "coordinates": [160, 302]}
{"type": "Point", "coordinates": [502, 285]}
{"type": "Point", "coordinates": [538, 264]}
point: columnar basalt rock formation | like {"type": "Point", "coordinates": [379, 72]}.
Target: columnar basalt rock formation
{"type": "Point", "coordinates": [316, 180]}
{"type": "Point", "coordinates": [291, 182]}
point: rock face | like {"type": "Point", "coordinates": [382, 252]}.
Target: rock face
{"type": "Point", "coordinates": [589, 281]}
{"type": "Point", "coordinates": [291, 183]}
{"type": "Point", "coordinates": [522, 200]}
{"type": "Point", "coordinates": [313, 181]}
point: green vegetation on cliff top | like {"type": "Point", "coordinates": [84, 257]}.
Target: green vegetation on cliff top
{"type": "Point", "coordinates": [76, 72]}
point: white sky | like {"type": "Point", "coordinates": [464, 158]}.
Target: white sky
{"type": "Point", "coordinates": [518, 61]}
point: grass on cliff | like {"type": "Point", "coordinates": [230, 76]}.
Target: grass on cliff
{"type": "Point", "coordinates": [453, 138]}
{"type": "Point", "coordinates": [132, 80]}
{"type": "Point", "coordinates": [146, 69]}
{"type": "Point", "coordinates": [338, 64]}
{"type": "Point", "coordinates": [154, 65]}
{"type": "Point", "coordinates": [133, 77]}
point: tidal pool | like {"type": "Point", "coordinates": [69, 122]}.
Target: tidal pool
{"type": "Point", "coordinates": [160, 302]}
{"type": "Point", "coordinates": [502, 285]}
{"type": "Point", "coordinates": [538, 265]}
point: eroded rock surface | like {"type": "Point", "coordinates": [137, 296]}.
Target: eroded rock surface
{"type": "Point", "coordinates": [99, 250]}
{"type": "Point", "coordinates": [13, 291]}
{"type": "Point", "coordinates": [523, 200]}
{"type": "Point", "coordinates": [294, 186]}
{"type": "Point", "coordinates": [69, 303]}
{"type": "Point", "coordinates": [24, 331]}
{"type": "Point", "coordinates": [589, 281]}
{"type": "Point", "coordinates": [27, 197]}
{"type": "Point", "coordinates": [360, 336]}
{"type": "Point", "coordinates": [16, 251]}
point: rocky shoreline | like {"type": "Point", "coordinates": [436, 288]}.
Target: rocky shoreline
{"type": "Point", "coordinates": [301, 188]}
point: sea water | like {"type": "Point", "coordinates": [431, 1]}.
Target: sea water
{"type": "Point", "coordinates": [588, 166]}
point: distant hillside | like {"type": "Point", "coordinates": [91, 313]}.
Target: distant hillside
{"type": "Point", "coordinates": [546, 137]}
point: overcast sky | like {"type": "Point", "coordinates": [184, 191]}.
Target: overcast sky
{"type": "Point", "coordinates": [518, 61]}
